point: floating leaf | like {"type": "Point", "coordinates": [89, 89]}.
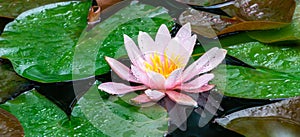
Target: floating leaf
{"type": "Point", "coordinates": [46, 54]}
{"type": "Point", "coordinates": [282, 58]}
{"type": "Point", "coordinates": [247, 15]}
{"type": "Point", "coordinates": [256, 83]}
{"type": "Point", "coordinates": [94, 115]}
{"type": "Point", "coordinates": [40, 41]}
{"type": "Point", "coordinates": [278, 119]}
{"type": "Point", "coordinates": [288, 33]}
{"type": "Point", "coordinates": [276, 74]}
{"type": "Point", "coordinates": [9, 125]}
{"type": "Point", "coordinates": [261, 14]}
{"type": "Point", "coordinates": [11, 84]}
{"type": "Point", "coordinates": [12, 8]}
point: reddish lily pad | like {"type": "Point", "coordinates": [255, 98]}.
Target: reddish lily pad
{"type": "Point", "coordinates": [10, 125]}
{"type": "Point", "coordinates": [261, 14]}
{"type": "Point", "coordinates": [246, 15]}
{"type": "Point", "coordinates": [288, 33]}
{"type": "Point", "coordinates": [11, 84]}
{"type": "Point", "coordinates": [278, 119]}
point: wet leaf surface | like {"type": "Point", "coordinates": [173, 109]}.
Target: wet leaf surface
{"type": "Point", "coordinates": [39, 43]}
{"type": "Point", "coordinates": [9, 125]}
{"type": "Point", "coordinates": [261, 14]}
{"type": "Point", "coordinates": [11, 84]}
{"type": "Point", "coordinates": [282, 57]}
{"type": "Point", "coordinates": [94, 115]}
{"type": "Point", "coordinates": [12, 8]}
{"type": "Point", "coordinates": [264, 10]}
{"type": "Point", "coordinates": [288, 33]}
{"type": "Point", "coordinates": [68, 60]}
{"type": "Point", "coordinates": [246, 15]}
{"type": "Point", "coordinates": [277, 119]}
{"type": "Point", "coordinates": [256, 83]}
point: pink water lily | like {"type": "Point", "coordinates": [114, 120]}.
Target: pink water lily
{"type": "Point", "coordinates": [160, 67]}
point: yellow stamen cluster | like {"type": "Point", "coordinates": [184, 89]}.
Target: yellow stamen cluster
{"type": "Point", "coordinates": [161, 64]}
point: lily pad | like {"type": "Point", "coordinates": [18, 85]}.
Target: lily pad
{"type": "Point", "coordinates": [94, 115]}
{"type": "Point", "coordinates": [11, 84]}
{"type": "Point", "coordinates": [282, 58]}
{"type": "Point", "coordinates": [278, 119]}
{"type": "Point", "coordinates": [9, 125]}
{"type": "Point", "coordinates": [40, 40]}
{"type": "Point", "coordinates": [46, 54]}
{"type": "Point", "coordinates": [246, 15]}
{"type": "Point", "coordinates": [12, 8]}
{"type": "Point", "coordinates": [288, 33]}
{"type": "Point", "coordinates": [255, 83]}
{"type": "Point", "coordinates": [260, 14]}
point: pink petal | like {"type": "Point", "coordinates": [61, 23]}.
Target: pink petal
{"type": "Point", "coordinates": [146, 43]}
{"type": "Point", "coordinates": [156, 80]}
{"type": "Point", "coordinates": [197, 82]}
{"type": "Point", "coordinates": [177, 53]}
{"type": "Point", "coordinates": [190, 43]}
{"type": "Point", "coordinates": [202, 89]}
{"type": "Point", "coordinates": [154, 95]}
{"type": "Point", "coordinates": [205, 63]}
{"type": "Point", "coordinates": [121, 70]}
{"type": "Point", "coordinates": [181, 99]}
{"type": "Point", "coordinates": [133, 52]}
{"type": "Point", "coordinates": [140, 75]}
{"type": "Point", "coordinates": [141, 99]}
{"type": "Point", "coordinates": [173, 79]}
{"type": "Point", "coordinates": [119, 88]}
{"type": "Point", "coordinates": [184, 32]}
{"type": "Point", "coordinates": [162, 38]}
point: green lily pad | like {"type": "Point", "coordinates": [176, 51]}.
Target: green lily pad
{"type": "Point", "coordinates": [278, 119]}
{"type": "Point", "coordinates": [282, 58]}
{"type": "Point", "coordinates": [40, 40]}
{"type": "Point", "coordinates": [94, 115]}
{"type": "Point", "coordinates": [288, 33]}
{"type": "Point", "coordinates": [41, 44]}
{"type": "Point", "coordinates": [12, 8]}
{"type": "Point", "coordinates": [9, 125]}
{"type": "Point", "coordinates": [10, 83]}
{"type": "Point", "coordinates": [255, 83]}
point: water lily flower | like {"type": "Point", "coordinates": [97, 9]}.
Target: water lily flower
{"type": "Point", "coordinates": [160, 67]}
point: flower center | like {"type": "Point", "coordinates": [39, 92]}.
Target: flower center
{"type": "Point", "coordinates": [161, 64]}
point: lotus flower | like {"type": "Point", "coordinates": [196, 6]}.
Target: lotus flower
{"type": "Point", "coordinates": [160, 67]}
